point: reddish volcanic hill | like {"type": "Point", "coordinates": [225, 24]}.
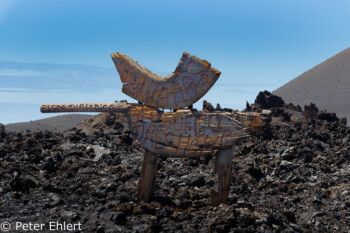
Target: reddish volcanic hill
{"type": "Point", "coordinates": [327, 85]}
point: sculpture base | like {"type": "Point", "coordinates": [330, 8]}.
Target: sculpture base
{"type": "Point", "coordinates": [223, 168]}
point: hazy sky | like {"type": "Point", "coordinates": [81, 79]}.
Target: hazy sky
{"type": "Point", "coordinates": [257, 45]}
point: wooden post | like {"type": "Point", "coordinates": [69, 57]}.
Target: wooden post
{"type": "Point", "coordinates": [147, 176]}
{"type": "Point", "coordinates": [223, 167]}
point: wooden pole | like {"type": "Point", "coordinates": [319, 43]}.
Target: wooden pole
{"type": "Point", "coordinates": [147, 176]}
{"type": "Point", "coordinates": [86, 107]}
{"type": "Point", "coordinates": [223, 168]}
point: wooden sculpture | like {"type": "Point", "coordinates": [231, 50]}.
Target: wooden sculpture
{"type": "Point", "coordinates": [186, 133]}
{"type": "Point", "coordinates": [190, 81]}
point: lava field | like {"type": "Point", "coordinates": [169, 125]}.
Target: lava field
{"type": "Point", "coordinates": [292, 177]}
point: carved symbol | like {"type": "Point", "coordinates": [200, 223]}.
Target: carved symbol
{"type": "Point", "coordinates": [190, 81]}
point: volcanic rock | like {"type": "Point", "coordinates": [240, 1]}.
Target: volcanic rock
{"type": "Point", "coordinates": [310, 111]}
{"type": "Point", "coordinates": [2, 131]}
{"type": "Point", "coordinates": [290, 177]}
{"type": "Point", "coordinates": [207, 107]}
{"type": "Point", "coordinates": [266, 100]}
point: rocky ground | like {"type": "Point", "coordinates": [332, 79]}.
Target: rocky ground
{"type": "Point", "coordinates": [291, 177]}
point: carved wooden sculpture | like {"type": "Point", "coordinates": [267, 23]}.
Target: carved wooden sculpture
{"type": "Point", "coordinates": [186, 133]}
{"type": "Point", "coordinates": [190, 81]}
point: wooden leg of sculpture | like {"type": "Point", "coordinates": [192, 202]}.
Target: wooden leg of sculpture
{"type": "Point", "coordinates": [223, 167]}
{"type": "Point", "coordinates": [147, 176]}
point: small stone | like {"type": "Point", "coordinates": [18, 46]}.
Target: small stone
{"type": "Point", "coordinates": [99, 151]}
{"type": "Point", "coordinates": [199, 182]}
{"type": "Point", "coordinates": [266, 112]}
{"type": "Point", "coordinates": [317, 200]}
{"type": "Point", "coordinates": [54, 198]}
{"type": "Point", "coordinates": [344, 140]}
{"type": "Point", "coordinates": [100, 229]}
{"type": "Point", "coordinates": [285, 154]}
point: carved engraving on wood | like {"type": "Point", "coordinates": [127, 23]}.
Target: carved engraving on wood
{"type": "Point", "coordinates": [184, 133]}
{"type": "Point", "coordinates": [190, 81]}
{"type": "Point", "coordinates": [190, 134]}
{"type": "Point", "coordinates": [85, 107]}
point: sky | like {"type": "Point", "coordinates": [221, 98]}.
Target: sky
{"type": "Point", "coordinates": [58, 51]}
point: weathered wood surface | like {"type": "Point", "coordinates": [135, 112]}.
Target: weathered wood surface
{"type": "Point", "coordinates": [184, 133]}
{"type": "Point", "coordinates": [187, 133]}
{"type": "Point", "coordinates": [147, 176]}
{"type": "Point", "coordinates": [190, 81]}
{"type": "Point", "coordinates": [223, 169]}
{"type": "Point", "coordinates": [85, 107]}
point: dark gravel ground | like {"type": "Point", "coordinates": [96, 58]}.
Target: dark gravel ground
{"type": "Point", "coordinates": [292, 177]}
